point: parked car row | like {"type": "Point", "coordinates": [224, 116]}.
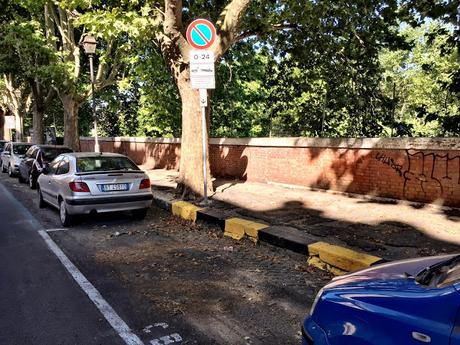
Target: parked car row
{"type": "Point", "coordinates": [79, 183]}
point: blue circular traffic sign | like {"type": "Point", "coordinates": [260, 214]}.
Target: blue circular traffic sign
{"type": "Point", "coordinates": [201, 34]}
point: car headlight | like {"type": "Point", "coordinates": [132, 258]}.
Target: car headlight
{"type": "Point", "coordinates": [315, 302]}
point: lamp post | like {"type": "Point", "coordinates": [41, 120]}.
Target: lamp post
{"type": "Point", "coordinates": [89, 45]}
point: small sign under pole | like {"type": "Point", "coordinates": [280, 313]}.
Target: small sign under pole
{"type": "Point", "coordinates": [201, 34]}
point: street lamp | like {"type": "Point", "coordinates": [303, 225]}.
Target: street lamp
{"type": "Point", "coordinates": [89, 45]}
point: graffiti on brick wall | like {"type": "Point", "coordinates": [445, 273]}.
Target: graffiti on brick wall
{"type": "Point", "coordinates": [382, 157]}
{"type": "Point", "coordinates": [426, 173]}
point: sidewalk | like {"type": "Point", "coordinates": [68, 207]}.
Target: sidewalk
{"type": "Point", "coordinates": [389, 229]}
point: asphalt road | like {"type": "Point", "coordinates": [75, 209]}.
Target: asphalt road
{"type": "Point", "coordinates": [172, 282]}
{"type": "Point", "coordinates": [39, 302]}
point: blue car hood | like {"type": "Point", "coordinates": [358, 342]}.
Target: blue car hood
{"type": "Point", "coordinates": [392, 271]}
{"type": "Point", "coordinates": [384, 304]}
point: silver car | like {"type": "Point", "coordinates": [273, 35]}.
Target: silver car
{"type": "Point", "coordinates": [82, 183]}
{"type": "Point", "coordinates": [12, 155]}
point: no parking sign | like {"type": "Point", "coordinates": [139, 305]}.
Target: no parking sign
{"type": "Point", "coordinates": [201, 34]}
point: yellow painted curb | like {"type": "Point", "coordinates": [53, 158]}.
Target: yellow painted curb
{"type": "Point", "coordinates": [316, 261]}
{"type": "Point", "coordinates": [185, 210]}
{"type": "Point", "coordinates": [236, 228]}
{"type": "Point", "coordinates": [342, 258]}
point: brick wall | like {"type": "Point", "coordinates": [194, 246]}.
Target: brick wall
{"type": "Point", "coordinates": [423, 170]}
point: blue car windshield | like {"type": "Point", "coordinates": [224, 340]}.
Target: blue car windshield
{"type": "Point", "coordinates": [94, 164]}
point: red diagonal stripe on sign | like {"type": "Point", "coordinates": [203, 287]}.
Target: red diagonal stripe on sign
{"type": "Point", "coordinates": [201, 34]}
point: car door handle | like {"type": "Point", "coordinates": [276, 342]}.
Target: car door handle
{"type": "Point", "coordinates": [421, 337]}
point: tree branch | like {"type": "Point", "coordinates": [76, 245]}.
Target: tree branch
{"type": "Point", "coordinates": [228, 24]}
{"type": "Point", "coordinates": [101, 70]}
{"type": "Point", "coordinates": [262, 31]}
{"type": "Point", "coordinates": [49, 97]}
{"type": "Point", "coordinates": [57, 22]}
{"type": "Point", "coordinates": [172, 26]}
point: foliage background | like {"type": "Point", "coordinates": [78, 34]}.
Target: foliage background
{"type": "Point", "coordinates": [339, 69]}
{"type": "Point", "coordinates": [262, 93]}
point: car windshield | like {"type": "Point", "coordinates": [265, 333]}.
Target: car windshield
{"type": "Point", "coordinates": [441, 274]}
{"type": "Point", "coordinates": [20, 149]}
{"type": "Point", "coordinates": [93, 164]}
{"type": "Point", "coordinates": [49, 153]}
{"type": "Point", "coordinates": [450, 276]}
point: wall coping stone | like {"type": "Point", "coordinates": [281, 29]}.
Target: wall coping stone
{"type": "Point", "coordinates": [339, 143]}
{"type": "Point", "coordinates": [135, 140]}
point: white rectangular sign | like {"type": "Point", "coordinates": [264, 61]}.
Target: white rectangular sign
{"type": "Point", "coordinates": [202, 71]}
{"type": "Point", "coordinates": [9, 122]}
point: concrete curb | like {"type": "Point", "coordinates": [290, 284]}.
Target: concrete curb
{"type": "Point", "coordinates": [343, 258]}
{"type": "Point", "coordinates": [185, 210]}
{"type": "Point", "coordinates": [237, 228]}
{"type": "Point", "coordinates": [335, 259]}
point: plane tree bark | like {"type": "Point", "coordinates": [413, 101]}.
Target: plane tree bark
{"type": "Point", "coordinates": [2, 123]}
{"type": "Point", "coordinates": [42, 98]}
{"type": "Point", "coordinates": [18, 98]}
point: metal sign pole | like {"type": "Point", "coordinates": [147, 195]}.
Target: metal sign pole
{"type": "Point", "coordinates": [201, 35]}
{"type": "Point", "coordinates": [204, 103]}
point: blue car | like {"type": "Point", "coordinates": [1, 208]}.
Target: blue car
{"type": "Point", "coordinates": [406, 302]}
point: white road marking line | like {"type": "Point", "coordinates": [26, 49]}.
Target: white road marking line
{"type": "Point", "coordinates": [53, 230]}
{"type": "Point", "coordinates": [169, 339]}
{"type": "Point", "coordinates": [147, 329]}
{"type": "Point", "coordinates": [161, 324]}
{"type": "Point", "coordinates": [104, 307]}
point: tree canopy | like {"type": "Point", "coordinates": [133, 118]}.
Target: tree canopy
{"type": "Point", "coordinates": [323, 68]}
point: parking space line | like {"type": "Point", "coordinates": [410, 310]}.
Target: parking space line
{"type": "Point", "coordinates": [54, 230]}
{"type": "Point", "coordinates": [104, 307]}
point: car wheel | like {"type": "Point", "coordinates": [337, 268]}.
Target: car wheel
{"type": "Point", "coordinates": [65, 217]}
{"type": "Point", "coordinates": [10, 171]}
{"type": "Point", "coordinates": [20, 179]}
{"type": "Point", "coordinates": [139, 214]}
{"type": "Point", "coordinates": [3, 168]}
{"type": "Point", "coordinates": [32, 182]}
{"type": "Point", "coordinates": [41, 202]}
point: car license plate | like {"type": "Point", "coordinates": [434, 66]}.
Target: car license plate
{"type": "Point", "coordinates": [116, 187]}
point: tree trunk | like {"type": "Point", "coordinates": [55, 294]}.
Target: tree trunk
{"type": "Point", "coordinates": [2, 125]}
{"type": "Point", "coordinates": [191, 164]}
{"type": "Point", "coordinates": [40, 103]}
{"type": "Point", "coordinates": [71, 136]}
{"type": "Point", "coordinates": [19, 126]}
{"type": "Point", "coordinates": [38, 128]}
